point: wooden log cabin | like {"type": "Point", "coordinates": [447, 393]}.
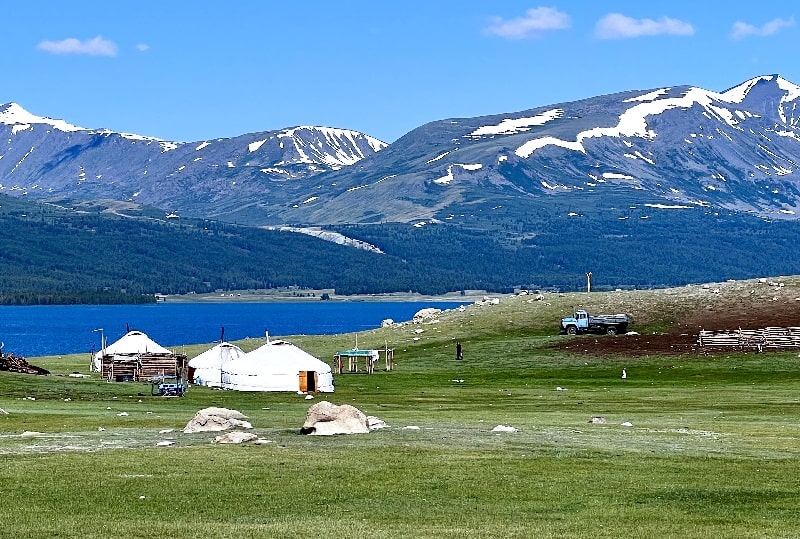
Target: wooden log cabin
{"type": "Point", "coordinates": [143, 367]}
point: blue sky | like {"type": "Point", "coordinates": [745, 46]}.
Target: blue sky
{"type": "Point", "coordinates": [191, 71]}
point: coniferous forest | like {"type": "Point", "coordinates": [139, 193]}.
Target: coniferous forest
{"type": "Point", "coordinates": [51, 256]}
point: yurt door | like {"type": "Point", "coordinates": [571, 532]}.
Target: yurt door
{"type": "Point", "coordinates": [308, 381]}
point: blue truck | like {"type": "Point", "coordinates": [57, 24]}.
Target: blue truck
{"type": "Point", "coordinates": [583, 322]}
{"type": "Point", "coordinates": [167, 386]}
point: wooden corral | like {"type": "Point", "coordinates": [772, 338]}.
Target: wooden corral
{"type": "Point", "coordinates": [143, 367]}
{"type": "Point", "coordinates": [368, 357]}
{"type": "Point", "coordinates": [752, 339]}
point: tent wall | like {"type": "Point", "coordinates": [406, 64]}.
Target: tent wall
{"type": "Point", "coordinates": [275, 381]}
{"type": "Point", "coordinates": [206, 368]}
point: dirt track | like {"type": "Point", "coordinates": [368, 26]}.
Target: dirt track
{"type": "Point", "coordinates": [742, 306]}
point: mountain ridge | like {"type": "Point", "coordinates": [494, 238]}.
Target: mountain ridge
{"type": "Point", "coordinates": [736, 150]}
{"type": "Point", "coordinates": [591, 145]}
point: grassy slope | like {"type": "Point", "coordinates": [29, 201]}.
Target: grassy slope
{"type": "Point", "coordinates": [712, 450]}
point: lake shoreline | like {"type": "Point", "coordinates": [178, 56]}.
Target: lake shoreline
{"type": "Point", "coordinates": [268, 296]}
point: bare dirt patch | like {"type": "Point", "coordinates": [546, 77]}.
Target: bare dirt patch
{"type": "Point", "coordinates": [745, 305]}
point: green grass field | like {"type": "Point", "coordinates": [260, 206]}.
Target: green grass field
{"type": "Point", "coordinates": [711, 450]}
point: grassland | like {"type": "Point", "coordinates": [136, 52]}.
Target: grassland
{"type": "Point", "coordinates": [692, 445]}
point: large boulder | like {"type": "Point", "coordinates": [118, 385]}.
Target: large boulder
{"type": "Point", "coordinates": [325, 418]}
{"type": "Point", "coordinates": [215, 419]}
{"type": "Point", "coordinates": [424, 315]}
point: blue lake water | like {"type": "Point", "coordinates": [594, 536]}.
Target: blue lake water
{"type": "Point", "coordinates": [68, 329]}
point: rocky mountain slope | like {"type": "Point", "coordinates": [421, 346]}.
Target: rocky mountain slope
{"type": "Point", "coordinates": [664, 149]}
{"type": "Point", "coordinates": [667, 148]}
{"type": "Point", "coordinates": [50, 159]}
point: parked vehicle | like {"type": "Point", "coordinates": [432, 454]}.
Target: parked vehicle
{"type": "Point", "coordinates": [167, 386]}
{"type": "Point", "coordinates": [583, 322]}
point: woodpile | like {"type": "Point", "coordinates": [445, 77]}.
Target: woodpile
{"type": "Point", "coordinates": [774, 338]}
{"type": "Point", "coordinates": [12, 363]}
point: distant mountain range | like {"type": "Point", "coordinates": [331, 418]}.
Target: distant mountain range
{"type": "Point", "coordinates": [51, 160]}
{"type": "Point", "coordinates": [677, 148]}
{"type": "Point", "coordinates": [650, 187]}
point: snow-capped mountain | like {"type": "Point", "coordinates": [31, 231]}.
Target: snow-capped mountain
{"type": "Point", "coordinates": [679, 147]}
{"type": "Point", "coordinates": [47, 159]}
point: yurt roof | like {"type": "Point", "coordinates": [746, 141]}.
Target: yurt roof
{"type": "Point", "coordinates": [277, 356]}
{"type": "Point", "coordinates": [133, 343]}
{"type": "Point", "coordinates": [216, 356]}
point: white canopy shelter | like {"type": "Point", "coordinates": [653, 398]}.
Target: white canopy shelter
{"type": "Point", "coordinates": [131, 344]}
{"type": "Point", "coordinates": [208, 365]}
{"type": "Point", "coordinates": [277, 366]}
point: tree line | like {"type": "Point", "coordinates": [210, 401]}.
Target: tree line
{"type": "Point", "coordinates": [58, 257]}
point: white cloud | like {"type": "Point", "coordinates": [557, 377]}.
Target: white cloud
{"type": "Point", "coordinates": [618, 26]}
{"type": "Point", "coordinates": [97, 46]}
{"type": "Point", "coordinates": [742, 30]}
{"type": "Point", "coordinates": [533, 24]}
{"type": "Point", "coordinates": [142, 47]}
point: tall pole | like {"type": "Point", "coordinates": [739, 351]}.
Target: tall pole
{"type": "Point", "coordinates": [588, 281]}
{"type": "Point", "coordinates": [102, 348]}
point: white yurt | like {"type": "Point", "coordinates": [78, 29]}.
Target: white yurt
{"type": "Point", "coordinates": [278, 366]}
{"type": "Point", "coordinates": [206, 368]}
{"type": "Point", "coordinates": [131, 344]}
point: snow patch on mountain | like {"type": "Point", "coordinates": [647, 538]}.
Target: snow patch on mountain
{"type": "Point", "coordinates": [165, 145]}
{"type": "Point", "coordinates": [649, 96]}
{"type": "Point", "coordinates": [511, 126]}
{"type": "Point", "coordinates": [617, 176]}
{"type": "Point", "coordinates": [336, 148]}
{"type": "Point", "coordinates": [253, 146]}
{"type": "Point", "coordinates": [638, 155]}
{"type": "Point", "coordinates": [633, 121]}
{"type": "Point", "coordinates": [532, 145]}
{"type": "Point", "coordinates": [15, 115]}
{"type": "Point", "coordinates": [441, 155]}
{"type": "Point", "coordinates": [447, 178]}
{"type": "Point", "coordinates": [328, 235]}
{"type": "Point", "coordinates": [668, 206]}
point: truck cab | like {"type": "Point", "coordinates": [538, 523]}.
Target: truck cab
{"type": "Point", "coordinates": [578, 323]}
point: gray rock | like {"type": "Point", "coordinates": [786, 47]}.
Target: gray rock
{"type": "Point", "coordinates": [216, 419]}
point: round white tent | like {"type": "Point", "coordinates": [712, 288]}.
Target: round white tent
{"type": "Point", "coordinates": [277, 366]}
{"type": "Point", "coordinates": [207, 367]}
{"type": "Point", "coordinates": [131, 344]}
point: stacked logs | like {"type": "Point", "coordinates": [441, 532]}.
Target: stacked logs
{"type": "Point", "coordinates": [13, 363]}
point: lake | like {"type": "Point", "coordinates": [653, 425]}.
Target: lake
{"type": "Point", "coordinates": [32, 331]}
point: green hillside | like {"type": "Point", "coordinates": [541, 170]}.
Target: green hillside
{"type": "Point", "coordinates": [97, 253]}
{"type": "Point", "coordinates": [690, 444]}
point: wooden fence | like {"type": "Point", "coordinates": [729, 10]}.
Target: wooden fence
{"type": "Point", "coordinates": [752, 339]}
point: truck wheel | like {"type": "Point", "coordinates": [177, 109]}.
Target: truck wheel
{"type": "Point", "coordinates": [572, 330]}
{"type": "Point", "coordinates": [611, 330]}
